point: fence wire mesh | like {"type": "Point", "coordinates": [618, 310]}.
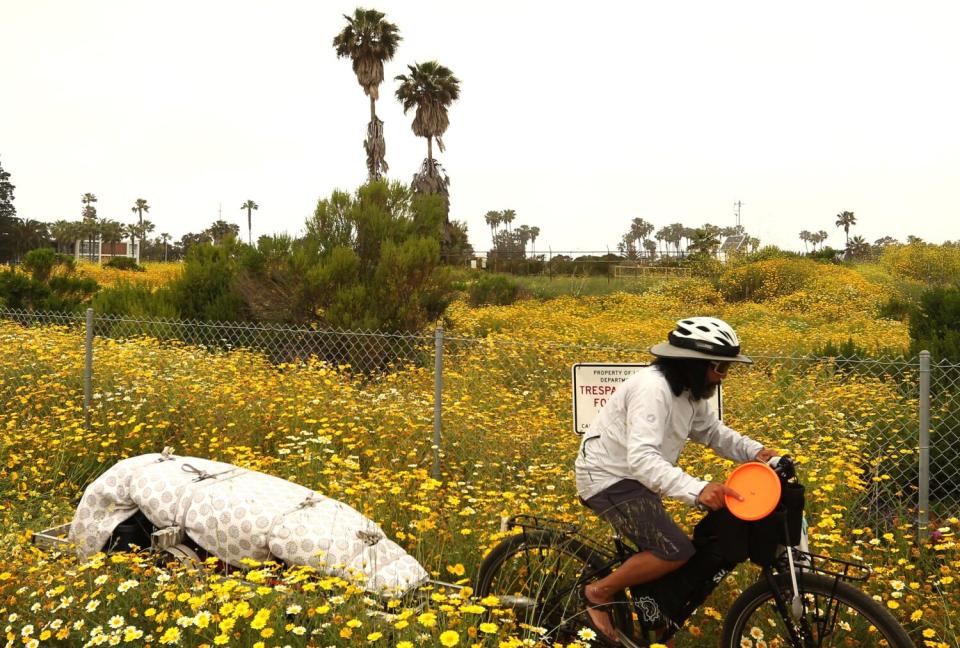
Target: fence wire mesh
{"type": "Point", "coordinates": [280, 379]}
{"type": "Point", "coordinates": [944, 440]}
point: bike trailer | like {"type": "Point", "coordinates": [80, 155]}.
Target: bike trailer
{"type": "Point", "coordinates": [234, 514]}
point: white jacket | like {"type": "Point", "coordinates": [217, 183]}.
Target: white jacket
{"type": "Point", "coordinates": [640, 432]}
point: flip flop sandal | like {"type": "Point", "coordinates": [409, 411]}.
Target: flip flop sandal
{"type": "Point", "coordinates": [587, 621]}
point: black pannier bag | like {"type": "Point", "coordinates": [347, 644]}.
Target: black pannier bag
{"type": "Point", "coordinates": [722, 542]}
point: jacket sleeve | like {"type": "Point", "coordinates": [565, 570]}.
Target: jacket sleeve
{"type": "Point", "coordinates": [648, 411]}
{"type": "Point", "coordinates": [711, 432]}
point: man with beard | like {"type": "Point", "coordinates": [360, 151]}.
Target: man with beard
{"type": "Point", "coordinates": [627, 459]}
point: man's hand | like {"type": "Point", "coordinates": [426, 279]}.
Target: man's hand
{"type": "Point", "coordinates": [765, 455]}
{"type": "Point", "coordinates": [712, 496]}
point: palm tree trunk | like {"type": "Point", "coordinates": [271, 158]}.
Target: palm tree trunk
{"type": "Point", "coordinates": [249, 229]}
{"type": "Point", "coordinates": [373, 109]}
{"type": "Point", "coordinates": [430, 154]}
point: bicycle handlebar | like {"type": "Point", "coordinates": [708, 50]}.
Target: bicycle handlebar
{"type": "Point", "coordinates": [784, 466]}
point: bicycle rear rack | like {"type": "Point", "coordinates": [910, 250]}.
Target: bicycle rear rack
{"type": "Point", "coordinates": [566, 529]}
{"type": "Point", "coordinates": [833, 567]}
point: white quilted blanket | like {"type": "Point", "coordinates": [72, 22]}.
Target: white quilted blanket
{"type": "Point", "coordinates": [236, 513]}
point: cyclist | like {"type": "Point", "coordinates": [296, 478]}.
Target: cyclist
{"type": "Point", "coordinates": [627, 459]}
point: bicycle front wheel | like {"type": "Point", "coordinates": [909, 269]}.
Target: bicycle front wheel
{"type": "Point", "coordinates": [538, 574]}
{"type": "Point", "coordinates": [832, 614]}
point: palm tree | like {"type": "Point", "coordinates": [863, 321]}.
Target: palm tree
{"type": "Point", "coordinates": [90, 230]}
{"type": "Point", "coordinates": [534, 233]}
{"type": "Point", "coordinates": [29, 234]}
{"type": "Point", "coordinates": [131, 231]}
{"type": "Point", "coordinates": [250, 206]}
{"type": "Point", "coordinates": [370, 40]}
{"type": "Point", "coordinates": [63, 232]}
{"type": "Point", "coordinates": [650, 247]}
{"type": "Point", "coordinates": [165, 237]}
{"type": "Point", "coordinates": [138, 208]}
{"type": "Point", "coordinates": [662, 236]}
{"type": "Point", "coordinates": [675, 234]}
{"type": "Point", "coordinates": [845, 220]}
{"type": "Point", "coordinates": [806, 237]}
{"type": "Point", "coordinates": [493, 219]}
{"type": "Point", "coordinates": [507, 216]}
{"type": "Point", "coordinates": [640, 229]}
{"type": "Point", "coordinates": [111, 232]}
{"type": "Point", "coordinates": [704, 240]}
{"type": "Point", "coordinates": [430, 88]}
{"type": "Point", "coordinates": [523, 234]}
{"type": "Point", "coordinates": [819, 237]}
{"type": "Point", "coordinates": [858, 247]}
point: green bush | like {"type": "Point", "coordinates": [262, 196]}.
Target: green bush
{"type": "Point", "coordinates": [935, 324]}
{"type": "Point", "coordinates": [937, 265]}
{"type": "Point", "coordinates": [825, 255]}
{"type": "Point", "coordinates": [895, 308]}
{"type": "Point", "coordinates": [205, 289]}
{"type": "Point", "coordinates": [135, 300]}
{"type": "Point", "coordinates": [19, 291]}
{"type": "Point", "coordinates": [51, 284]}
{"type": "Point", "coordinates": [766, 253]}
{"type": "Point", "coordinates": [496, 290]}
{"type": "Point", "coordinates": [768, 279]}
{"type": "Point", "coordinates": [42, 262]}
{"type": "Point", "coordinates": [124, 263]}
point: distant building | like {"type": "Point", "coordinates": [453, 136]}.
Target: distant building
{"type": "Point", "coordinates": [101, 251]}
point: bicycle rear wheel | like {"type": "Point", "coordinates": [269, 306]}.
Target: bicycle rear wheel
{"type": "Point", "coordinates": [538, 574]}
{"type": "Point", "coordinates": [834, 614]}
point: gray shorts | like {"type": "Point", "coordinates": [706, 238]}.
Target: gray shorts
{"type": "Point", "coordinates": [637, 513]}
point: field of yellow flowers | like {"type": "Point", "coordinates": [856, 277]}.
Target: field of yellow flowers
{"type": "Point", "coordinates": [155, 274]}
{"type": "Point", "coordinates": [508, 449]}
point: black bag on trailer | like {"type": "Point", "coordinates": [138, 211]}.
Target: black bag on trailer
{"type": "Point", "coordinates": [135, 530]}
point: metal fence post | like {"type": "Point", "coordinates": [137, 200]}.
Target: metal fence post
{"type": "Point", "coordinates": [88, 370]}
{"type": "Point", "coordinates": [437, 394]}
{"type": "Point", "coordinates": [923, 518]}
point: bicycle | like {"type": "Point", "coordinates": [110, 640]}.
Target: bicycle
{"type": "Point", "coordinates": [800, 600]}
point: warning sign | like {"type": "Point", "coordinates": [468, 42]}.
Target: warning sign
{"type": "Point", "coordinates": [594, 383]}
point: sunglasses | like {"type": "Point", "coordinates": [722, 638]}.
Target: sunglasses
{"type": "Point", "coordinates": [720, 367]}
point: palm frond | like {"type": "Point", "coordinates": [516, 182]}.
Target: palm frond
{"type": "Point", "coordinates": [430, 88]}
{"type": "Point", "coordinates": [369, 40]}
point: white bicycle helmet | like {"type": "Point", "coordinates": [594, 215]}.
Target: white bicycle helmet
{"type": "Point", "coordinates": [705, 338]}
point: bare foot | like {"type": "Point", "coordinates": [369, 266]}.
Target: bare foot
{"type": "Point", "coordinates": [597, 599]}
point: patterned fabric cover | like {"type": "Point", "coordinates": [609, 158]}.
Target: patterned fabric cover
{"type": "Point", "coordinates": [235, 513]}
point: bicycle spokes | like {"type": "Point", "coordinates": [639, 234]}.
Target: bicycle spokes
{"type": "Point", "coordinates": [824, 621]}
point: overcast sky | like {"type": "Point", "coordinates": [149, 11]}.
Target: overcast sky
{"type": "Point", "coordinates": [579, 119]}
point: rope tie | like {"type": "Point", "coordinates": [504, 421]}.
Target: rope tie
{"type": "Point", "coordinates": [202, 474]}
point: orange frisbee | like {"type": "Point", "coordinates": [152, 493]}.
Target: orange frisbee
{"type": "Point", "coordinates": [760, 487]}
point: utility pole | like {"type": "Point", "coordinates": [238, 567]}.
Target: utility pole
{"type": "Point", "coordinates": [736, 212]}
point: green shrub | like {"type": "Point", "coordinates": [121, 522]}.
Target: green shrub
{"type": "Point", "coordinates": [937, 265]}
{"type": "Point", "coordinates": [766, 253]}
{"type": "Point", "coordinates": [19, 291]}
{"type": "Point", "coordinates": [124, 263]}
{"type": "Point", "coordinates": [205, 289]}
{"type": "Point", "coordinates": [42, 262]}
{"type": "Point", "coordinates": [767, 279]}
{"type": "Point", "coordinates": [134, 300]}
{"type": "Point", "coordinates": [826, 255]}
{"type": "Point", "coordinates": [935, 324]}
{"type": "Point", "coordinates": [496, 290]}
{"type": "Point", "coordinates": [45, 288]}
{"type": "Point", "coordinates": [895, 308]}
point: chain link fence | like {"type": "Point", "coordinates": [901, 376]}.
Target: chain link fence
{"type": "Point", "coordinates": [895, 422]}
